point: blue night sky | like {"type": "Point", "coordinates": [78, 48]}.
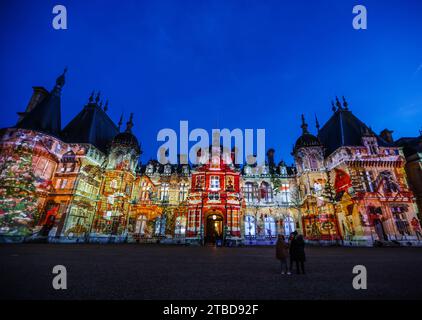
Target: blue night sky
{"type": "Point", "coordinates": [219, 64]}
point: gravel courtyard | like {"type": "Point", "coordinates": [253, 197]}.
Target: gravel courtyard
{"type": "Point", "coordinates": [176, 272]}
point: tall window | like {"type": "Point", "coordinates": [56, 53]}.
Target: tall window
{"type": "Point", "coordinates": [180, 226]}
{"type": "Point", "coordinates": [400, 219]}
{"type": "Point", "coordinates": [183, 191]}
{"type": "Point", "coordinates": [289, 226]}
{"type": "Point", "coordinates": [250, 227]}
{"type": "Point", "coordinates": [215, 182]}
{"type": "Point", "coordinates": [266, 192]}
{"type": "Point", "coordinates": [160, 226]}
{"type": "Point", "coordinates": [389, 184]}
{"type": "Point", "coordinates": [141, 222]}
{"type": "Point", "coordinates": [144, 191]}
{"type": "Point", "coordinates": [269, 227]}
{"type": "Point", "coordinates": [164, 192]}
{"type": "Point", "coordinates": [249, 192]}
{"type": "Point", "coordinates": [284, 193]}
{"type": "Point", "coordinates": [366, 180]}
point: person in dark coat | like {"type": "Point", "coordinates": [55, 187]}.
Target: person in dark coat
{"type": "Point", "coordinates": [292, 248]}
{"type": "Point", "coordinates": [281, 252]}
{"type": "Point", "coordinates": [298, 248]}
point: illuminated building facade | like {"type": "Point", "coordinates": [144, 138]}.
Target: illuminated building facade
{"type": "Point", "coordinates": [353, 183]}
{"type": "Point", "coordinates": [86, 183]}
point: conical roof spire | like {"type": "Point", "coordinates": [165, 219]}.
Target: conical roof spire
{"type": "Point", "coordinates": [106, 106]}
{"type": "Point", "coordinates": [120, 121]}
{"type": "Point", "coordinates": [129, 124]}
{"type": "Point", "coordinates": [59, 84]}
{"type": "Point", "coordinates": [61, 79]}
{"type": "Point", "coordinates": [338, 104]}
{"type": "Point", "coordinates": [97, 98]}
{"type": "Point", "coordinates": [91, 98]}
{"type": "Point", "coordinates": [345, 104]}
{"type": "Point", "coordinates": [304, 125]}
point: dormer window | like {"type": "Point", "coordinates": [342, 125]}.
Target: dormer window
{"type": "Point", "coordinates": [185, 169]}
{"type": "Point", "coordinates": [150, 169]}
{"type": "Point", "coordinates": [248, 170]}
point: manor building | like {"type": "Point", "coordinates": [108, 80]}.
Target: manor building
{"type": "Point", "coordinates": [86, 182]}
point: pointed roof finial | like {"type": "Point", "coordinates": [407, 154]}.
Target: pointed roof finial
{"type": "Point", "coordinates": [338, 104]}
{"type": "Point", "coordinates": [100, 104]}
{"type": "Point", "coordinates": [120, 121]}
{"type": "Point", "coordinates": [345, 104]}
{"type": "Point", "coordinates": [61, 78]}
{"type": "Point", "coordinates": [129, 124]}
{"type": "Point", "coordinates": [91, 98]}
{"type": "Point", "coordinates": [97, 98]}
{"type": "Point", "coordinates": [316, 122]}
{"type": "Point", "coordinates": [333, 107]}
{"type": "Point", "coordinates": [106, 106]}
{"type": "Point", "coordinates": [304, 125]}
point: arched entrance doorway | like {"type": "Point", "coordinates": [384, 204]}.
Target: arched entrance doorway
{"type": "Point", "coordinates": [214, 228]}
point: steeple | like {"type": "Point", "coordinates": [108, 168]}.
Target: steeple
{"type": "Point", "coordinates": [91, 98]}
{"type": "Point", "coordinates": [338, 104]}
{"type": "Point", "coordinates": [97, 98]}
{"type": "Point", "coordinates": [106, 106]}
{"type": "Point", "coordinates": [333, 107]}
{"type": "Point", "coordinates": [304, 126]}
{"type": "Point", "coordinates": [129, 124]}
{"type": "Point", "coordinates": [60, 81]}
{"type": "Point", "coordinates": [120, 121]}
{"type": "Point", "coordinates": [345, 104]}
{"type": "Point", "coordinates": [46, 115]}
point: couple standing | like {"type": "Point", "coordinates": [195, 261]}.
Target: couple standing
{"type": "Point", "coordinates": [295, 248]}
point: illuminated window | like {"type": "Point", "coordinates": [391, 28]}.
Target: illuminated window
{"type": "Point", "coordinates": [141, 223]}
{"type": "Point", "coordinates": [215, 182]}
{"type": "Point", "coordinates": [269, 227]}
{"type": "Point", "coordinates": [266, 192]}
{"type": "Point", "coordinates": [249, 192]}
{"type": "Point", "coordinates": [250, 227]}
{"type": "Point", "coordinates": [183, 191]}
{"type": "Point", "coordinates": [180, 226]}
{"type": "Point", "coordinates": [284, 193]}
{"type": "Point", "coordinates": [289, 226]}
{"type": "Point", "coordinates": [164, 192]}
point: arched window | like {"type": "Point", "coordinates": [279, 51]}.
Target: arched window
{"type": "Point", "coordinates": [269, 226]}
{"type": "Point", "coordinates": [141, 223]}
{"type": "Point", "coordinates": [250, 227]}
{"type": "Point", "coordinates": [266, 192]}
{"type": "Point", "coordinates": [289, 226]}
{"type": "Point", "coordinates": [180, 227]}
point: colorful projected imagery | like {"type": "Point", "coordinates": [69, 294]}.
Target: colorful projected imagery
{"type": "Point", "coordinates": [86, 183]}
